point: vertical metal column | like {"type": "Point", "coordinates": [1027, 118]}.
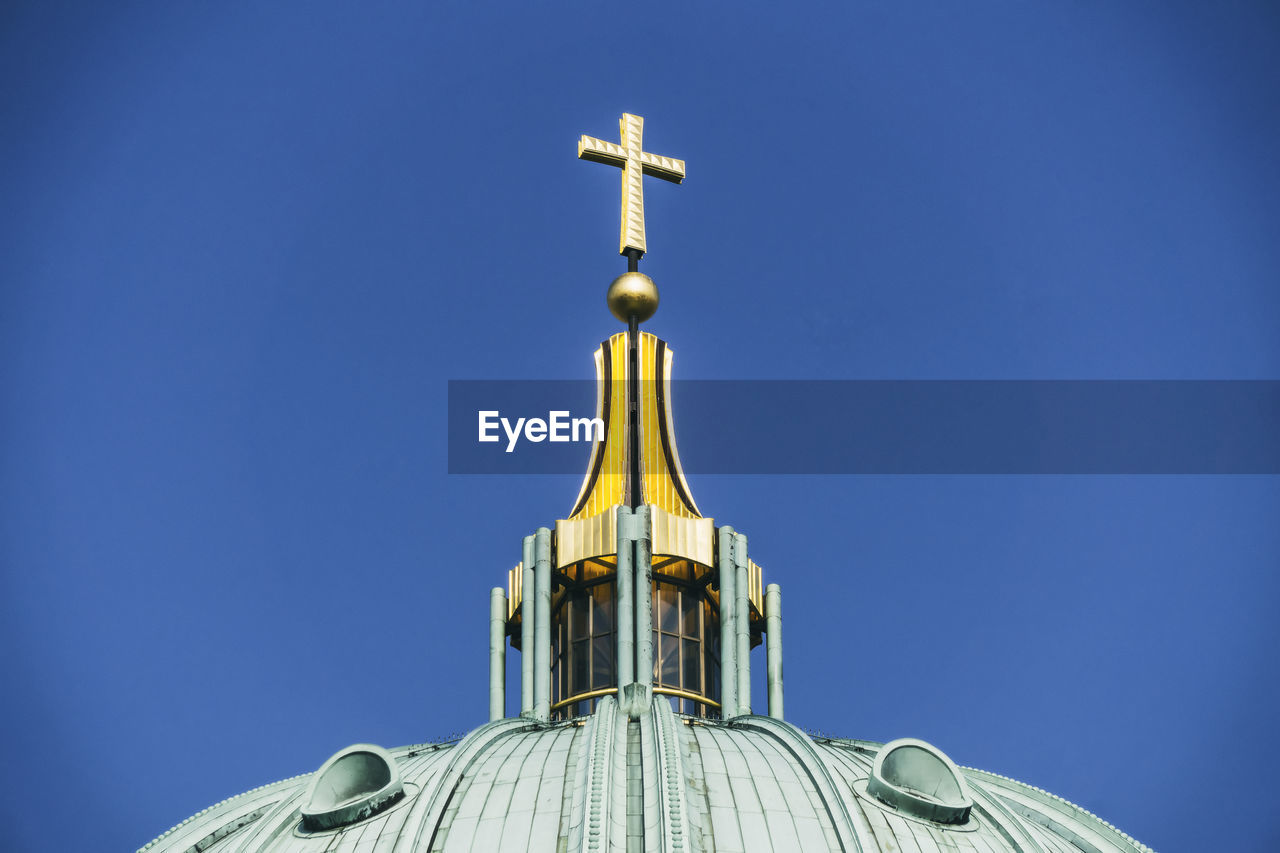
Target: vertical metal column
{"type": "Point", "coordinates": [626, 614]}
{"type": "Point", "coordinates": [773, 647]}
{"type": "Point", "coordinates": [526, 628]}
{"type": "Point", "coordinates": [542, 625]}
{"type": "Point", "coordinates": [497, 653]}
{"type": "Point", "coordinates": [644, 599]}
{"type": "Point", "coordinates": [744, 622]}
{"type": "Point", "coordinates": [728, 624]}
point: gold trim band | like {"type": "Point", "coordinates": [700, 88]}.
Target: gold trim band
{"type": "Point", "coordinates": [606, 691]}
{"type": "Point", "coordinates": [590, 694]}
{"type": "Point", "coordinates": [684, 694]}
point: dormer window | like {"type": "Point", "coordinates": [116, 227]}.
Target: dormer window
{"type": "Point", "coordinates": [916, 778]}
{"type": "Point", "coordinates": [355, 784]}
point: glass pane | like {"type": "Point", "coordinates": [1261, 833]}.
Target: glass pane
{"type": "Point", "coordinates": [656, 658]}
{"type": "Point", "coordinates": [689, 605]}
{"type": "Point", "coordinates": [602, 603]}
{"type": "Point", "coordinates": [579, 682]}
{"type": "Point", "coordinates": [578, 614]}
{"type": "Point", "coordinates": [670, 661]}
{"type": "Point", "coordinates": [691, 665]}
{"type": "Point", "coordinates": [602, 662]}
{"type": "Point", "coordinates": [711, 619]}
{"type": "Point", "coordinates": [668, 615]}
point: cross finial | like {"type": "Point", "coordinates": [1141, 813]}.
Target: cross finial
{"type": "Point", "coordinates": [635, 163]}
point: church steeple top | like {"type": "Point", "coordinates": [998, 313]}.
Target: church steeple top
{"type": "Point", "coordinates": [642, 594]}
{"type": "Point", "coordinates": [637, 462]}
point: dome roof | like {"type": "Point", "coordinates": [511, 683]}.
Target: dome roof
{"type": "Point", "coordinates": [661, 781]}
{"type": "Point", "coordinates": [644, 597]}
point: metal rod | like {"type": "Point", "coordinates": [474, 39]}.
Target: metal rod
{"type": "Point", "coordinates": [685, 694]}
{"type": "Point", "coordinates": [773, 647]}
{"type": "Point", "coordinates": [526, 628]}
{"type": "Point", "coordinates": [626, 600]}
{"type": "Point", "coordinates": [657, 691]}
{"type": "Point", "coordinates": [590, 694]}
{"type": "Point", "coordinates": [644, 599]}
{"type": "Point", "coordinates": [743, 609]}
{"type": "Point", "coordinates": [633, 259]}
{"type": "Point", "coordinates": [634, 495]}
{"type": "Point", "coordinates": [542, 625]}
{"type": "Point", "coordinates": [497, 653]}
{"type": "Point", "coordinates": [728, 624]}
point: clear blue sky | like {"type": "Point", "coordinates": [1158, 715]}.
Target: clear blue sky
{"type": "Point", "coordinates": [243, 247]}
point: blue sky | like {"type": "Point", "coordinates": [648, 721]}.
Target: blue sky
{"type": "Point", "coordinates": [245, 247]}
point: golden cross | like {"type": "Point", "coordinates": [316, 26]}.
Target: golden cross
{"type": "Point", "coordinates": [635, 163]}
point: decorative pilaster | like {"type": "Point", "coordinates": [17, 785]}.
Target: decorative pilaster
{"type": "Point", "coordinates": [742, 608]}
{"type": "Point", "coordinates": [526, 628]}
{"type": "Point", "coordinates": [728, 624]}
{"type": "Point", "coordinates": [497, 653]}
{"type": "Point", "coordinates": [542, 625]}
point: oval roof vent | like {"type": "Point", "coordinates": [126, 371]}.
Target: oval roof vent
{"type": "Point", "coordinates": [913, 777]}
{"type": "Point", "coordinates": [356, 783]}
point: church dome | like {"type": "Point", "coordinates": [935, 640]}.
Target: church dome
{"type": "Point", "coordinates": [662, 781]}
{"type": "Point", "coordinates": [635, 618]}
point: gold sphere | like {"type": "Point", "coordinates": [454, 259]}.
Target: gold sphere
{"type": "Point", "coordinates": [633, 294]}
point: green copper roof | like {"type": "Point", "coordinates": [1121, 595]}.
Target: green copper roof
{"type": "Point", "coordinates": [660, 782]}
